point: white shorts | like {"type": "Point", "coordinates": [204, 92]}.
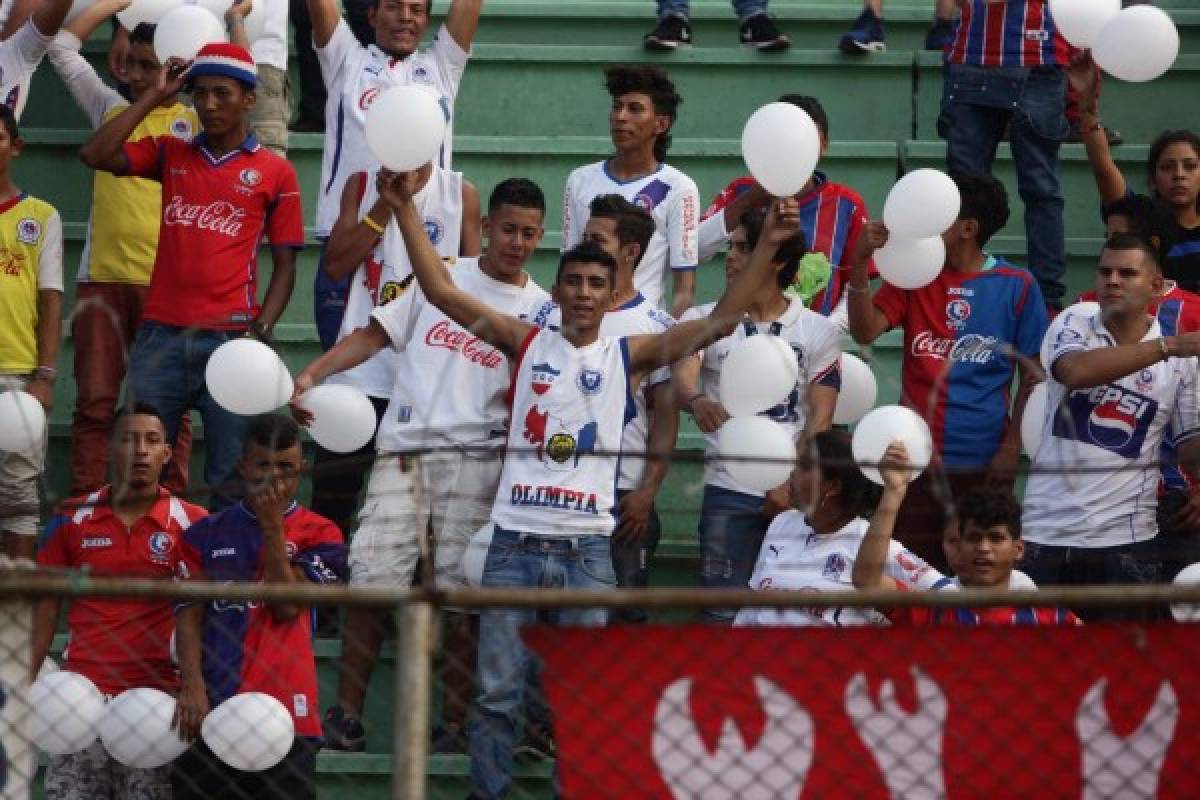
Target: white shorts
{"type": "Point", "coordinates": [448, 494]}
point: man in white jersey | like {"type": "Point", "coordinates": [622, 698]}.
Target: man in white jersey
{"type": "Point", "coordinates": [354, 75]}
{"type": "Point", "coordinates": [365, 246]}
{"type": "Point", "coordinates": [572, 393]}
{"type": "Point", "coordinates": [21, 53]}
{"type": "Point", "coordinates": [732, 522]}
{"type": "Point", "coordinates": [644, 106]}
{"type": "Point", "coordinates": [448, 398]}
{"type": "Point", "coordinates": [1114, 385]}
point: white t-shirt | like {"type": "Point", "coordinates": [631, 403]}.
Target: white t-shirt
{"type": "Point", "coordinates": [570, 405]}
{"type": "Point", "coordinates": [1115, 432]}
{"type": "Point", "coordinates": [387, 272]}
{"type": "Point", "coordinates": [794, 556]}
{"type": "Point", "coordinates": [671, 198]}
{"type": "Point", "coordinates": [20, 55]}
{"type": "Point", "coordinates": [272, 47]}
{"type": "Point", "coordinates": [354, 75]}
{"type": "Point", "coordinates": [450, 387]}
{"type": "Point", "coordinates": [818, 346]}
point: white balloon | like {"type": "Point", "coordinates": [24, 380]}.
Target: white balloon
{"type": "Point", "coordinates": [343, 418]}
{"type": "Point", "coordinates": [150, 11]}
{"type": "Point", "coordinates": [1080, 20]}
{"type": "Point", "coordinates": [1139, 44]}
{"type": "Point", "coordinates": [858, 393]}
{"type": "Point", "coordinates": [136, 729]}
{"type": "Point", "coordinates": [65, 708]}
{"type": "Point", "coordinates": [923, 203]}
{"type": "Point", "coordinates": [49, 667]}
{"type": "Point", "coordinates": [255, 23]}
{"type": "Point", "coordinates": [22, 422]}
{"type": "Point", "coordinates": [878, 429]}
{"type": "Point", "coordinates": [1187, 612]}
{"type": "Point", "coordinates": [1033, 423]}
{"type": "Point", "coordinates": [781, 145]}
{"type": "Point", "coordinates": [475, 556]}
{"type": "Point", "coordinates": [758, 374]}
{"type": "Point", "coordinates": [911, 263]}
{"type": "Point", "coordinates": [217, 7]}
{"type": "Point", "coordinates": [760, 452]}
{"type": "Point", "coordinates": [405, 127]}
{"type": "Point", "coordinates": [1085, 309]}
{"type": "Point", "coordinates": [245, 377]}
{"type": "Point", "coordinates": [184, 30]}
{"type": "Point", "coordinates": [251, 731]}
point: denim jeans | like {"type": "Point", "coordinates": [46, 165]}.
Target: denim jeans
{"type": "Point", "coordinates": [526, 561]}
{"type": "Point", "coordinates": [329, 303]}
{"type": "Point", "coordinates": [731, 532]}
{"type": "Point", "coordinates": [681, 8]}
{"type": "Point", "coordinates": [1139, 562]}
{"type": "Point", "coordinates": [978, 103]}
{"type": "Point", "coordinates": [166, 370]}
{"type": "Point", "coordinates": [631, 562]}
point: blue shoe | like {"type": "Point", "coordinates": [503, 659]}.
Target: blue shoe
{"type": "Point", "coordinates": [866, 36]}
{"type": "Point", "coordinates": [940, 35]}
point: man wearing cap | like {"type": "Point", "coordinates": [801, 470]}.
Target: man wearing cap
{"type": "Point", "coordinates": [221, 192]}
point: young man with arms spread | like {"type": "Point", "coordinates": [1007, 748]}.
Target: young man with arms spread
{"type": "Point", "coordinates": [31, 289]}
{"type": "Point", "coordinates": [222, 192]}
{"type": "Point", "coordinates": [966, 334]}
{"type": "Point", "coordinates": [732, 518]}
{"type": "Point", "coordinates": [572, 393]}
{"type": "Point", "coordinates": [230, 647]}
{"type": "Point", "coordinates": [1115, 384]}
{"type": "Point", "coordinates": [354, 75]}
{"type": "Point", "coordinates": [438, 446]}
{"type": "Point", "coordinates": [131, 528]}
{"type": "Point", "coordinates": [644, 105]}
{"type": "Point", "coordinates": [122, 237]}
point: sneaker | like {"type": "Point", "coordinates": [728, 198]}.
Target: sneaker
{"type": "Point", "coordinates": [1113, 137]}
{"type": "Point", "coordinates": [865, 37]}
{"type": "Point", "coordinates": [671, 33]}
{"type": "Point", "coordinates": [537, 744]}
{"type": "Point", "coordinates": [342, 732]}
{"type": "Point", "coordinates": [761, 33]}
{"type": "Point", "coordinates": [940, 35]}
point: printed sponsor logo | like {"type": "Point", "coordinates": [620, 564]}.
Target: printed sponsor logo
{"type": "Point", "coordinates": [971, 348]}
{"type": "Point", "coordinates": [219, 216]}
{"type": "Point", "coordinates": [449, 336]}
{"type": "Point", "coordinates": [94, 542]}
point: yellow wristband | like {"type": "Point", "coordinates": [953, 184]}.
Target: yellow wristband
{"type": "Point", "coordinates": [373, 225]}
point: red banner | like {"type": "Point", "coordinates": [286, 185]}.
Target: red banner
{"type": "Point", "coordinates": [955, 712]}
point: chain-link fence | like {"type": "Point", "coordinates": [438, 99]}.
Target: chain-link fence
{"type": "Point", "coordinates": [582, 709]}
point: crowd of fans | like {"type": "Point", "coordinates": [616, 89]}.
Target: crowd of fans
{"type": "Point", "coordinates": [503, 403]}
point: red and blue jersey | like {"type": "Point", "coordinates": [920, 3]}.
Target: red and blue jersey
{"type": "Point", "coordinates": [1003, 615]}
{"type": "Point", "coordinates": [1007, 33]}
{"type": "Point", "coordinates": [832, 216]}
{"type": "Point", "coordinates": [963, 334]}
{"type": "Point", "coordinates": [246, 648]}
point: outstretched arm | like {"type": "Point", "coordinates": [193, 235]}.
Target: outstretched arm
{"type": "Point", "coordinates": [462, 20]}
{"type": "Point", "coordinates": [1084, 77]}
{"type": "Point", "coordinates": [873, 552]}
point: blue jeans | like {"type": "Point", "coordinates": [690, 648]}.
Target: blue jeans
{"type": "Point", "coordinates": [731, 532]}
{"type": "Point", "coordinates": [166, 370]}
{"type": "Point", "coordinates": [524, 561]}
{"type": "Point", "coordinates": [681, 8]}
{"type": "Point", "coordinates": [977, 105]}
{"type": "Point", "coordinates": [329, 303]}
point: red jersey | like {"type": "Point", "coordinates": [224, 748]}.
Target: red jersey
{"type": "Point", "coordinates": [215, 212]}
{"type": "Point", "coordinates": [119, 643]}
{"type": "Point", "coordinates": [1007, 33]}
{"type": "Point", "coordinates": [246, 648]}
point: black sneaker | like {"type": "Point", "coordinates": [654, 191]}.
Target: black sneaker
{"type": "Point", "coordinates": [761, 33]}
{"type": "Point", "coordinates": [865, 37]}
{"type": "Point", "coordinates": [940, 35]}
{"type": "Point", "coordinates": [448, 739]}
{"type": "Point", "coordinates": [671, 33]}
{"type": "Point", "coordinates": [342, 732]}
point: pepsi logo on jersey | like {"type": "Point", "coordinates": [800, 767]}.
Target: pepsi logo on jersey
{"type": "Point", "coordinates": [1110, 417]}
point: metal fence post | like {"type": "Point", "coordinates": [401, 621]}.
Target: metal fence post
{"type": "Point", "coordinates": [414, 685]}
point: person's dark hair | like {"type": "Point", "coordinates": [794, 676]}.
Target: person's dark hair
{"type": "Point", "coordinates": [653, 82]}
{"type": "Point", "coordinates": [428, 5]}
{"type": "Point", "coordinates": [790, 252]}
{"type": "Point", "coordinates": [634, 224]}
{"type": "Point", "coordinates": [273, 431]}
{"type": "Point", "coordinates": [1149, 218]}
{"type": "Point", "coordinates": [811, 106]}
{"type": "Point", "coordinates": [136, 409]}
{"type": "Point", "coordinates": [1162, 142]}
{"type": "Point", "coordinates": [983, 200]}
{"type": "Point", "coordinates": [987, 507]}
{"type": "Point", "coordinates": [1133, 241]}
{"type": "Point", "coordinates": [143, 33]}
{"type": "Point", "coordinates": [588, 253]}
{"type": "Point", "coordinates": [835, 459]}
{"type": "Point", "coordinates": [520, 192]}
{"type": "Point", "coordinates": [9, 120]}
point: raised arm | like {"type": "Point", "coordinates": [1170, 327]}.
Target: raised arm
{"type": "Point", "coordinates": [868, 572]}
{"type": "Point", "coordinates": [650, 352]}
{"type": "Point", "coordinates": [235, 22]}
{"type": "Point", "coordinates": [86, 22]}
{"type": "Point", "coordinates": [325, 16]}
{"type": "Point", "coordinates": [353, 238]}
{"type": "Point", "coordinates": [497, 329]}
{"type": "Point", "coordinates": [470, 242]}
{"type": "Point", "coordinates": [462, 20]}
{"type": "Point", "coordinates": [105, 149]}
{"type": "Point", "coordinates": [867, 322]}
{"type": "Point", "coordinates": [1084, 77]}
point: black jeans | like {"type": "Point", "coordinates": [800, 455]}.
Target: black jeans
{"type": "Point", "coordinates": [200, 775]}
{"type": "Point", "coordinates": [1140, 562]}
{"type": "Point", "coordinates": [631, 563]}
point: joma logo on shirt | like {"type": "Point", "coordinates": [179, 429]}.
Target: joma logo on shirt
{"type": "Point", "coordinates": [91, 542]}
{"type": "Point", "coordinates": [224, 551]}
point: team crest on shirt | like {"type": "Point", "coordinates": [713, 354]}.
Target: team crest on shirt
{"type": "Point", "coordinates": [368, 97]}
{"type": "Point", "coordinates": [1145, 381]}
{"type": "Point", "coordinates": [558, 443]}
{"type": "Point", "coordinates": [181, 128]}
{"type": "Point", "coordinates": [160, 545]}
{"type": "Point", "coordinates": [958, 311]}
{"type": "Point", "coordinates": [393, 289]}
{"type": "Point", "coordinates": [291, 549]}
{"type": "Point", "coordinates": [420, 74]}
{"type": "Point", "coordinates": [250, 177]}
{"type": "Point", "coordinates": [651, 195]}
{"type": "Point", "coordinates": [590, 380]}
{"type": "Point", "coordinates": [543, 377]}
{"type": "Point", "coordinates": [29, 230]}
{"type": "Point", "coordinates": [835, 565]}
{"type": "Point", "coordinates": [13, 96]}
{"type": "Point", "coordinates": [435, 229]}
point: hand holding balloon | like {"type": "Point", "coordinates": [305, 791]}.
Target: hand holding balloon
{"type": "Point", "coordinates": [783, 221]}
{"type": "Point", "coordinates": [397, 188]}
{"type": "Point", "coordinates": [190, 710]}
{"type": "Point", "coordinates": [874, 235]}
{"type": "Point", "coordinates": [895, 469]}
{"type": "Point", "coordinates": [708, 413]}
